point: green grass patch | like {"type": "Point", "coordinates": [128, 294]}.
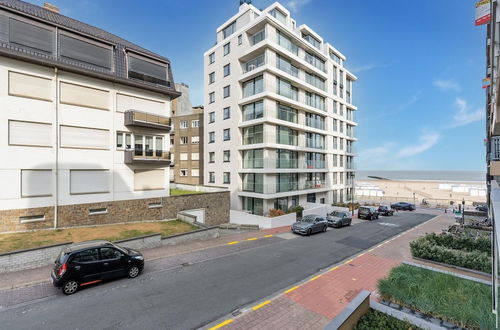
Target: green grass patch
{"type": "Point", "coordinates": [180, 192]}
{"type": "Point", "coordinates": [176, 227]}
{"type": "Point", "coordinates": [375, 320]}
{"type": "Point", "coordinates": [462, 302]}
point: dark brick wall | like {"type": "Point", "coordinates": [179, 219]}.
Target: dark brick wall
{"type": "Point", "coordinates": [216, 207]}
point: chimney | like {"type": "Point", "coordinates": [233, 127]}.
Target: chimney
{"type": "Point", "coordinates": [51, 7]}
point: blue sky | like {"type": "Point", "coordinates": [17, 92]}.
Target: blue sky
{"type": "Point", "coordinates": [419, 64]}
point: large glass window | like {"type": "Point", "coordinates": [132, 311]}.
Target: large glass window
{"type": "Point", "coordinates": [314, 140]}
{"type": "Point", "coordinates": [315, 81]}
{"type": "Point", "coordinates": [286, 42]}
{"type": "Point", "coordinates": [286, 158]}
{"type": "Point", "coordinates": [253, 158]}
{"type": "Point", "coordinates": [334, 57]}
{"type": "Point", "coordinates": [253, 134]}
{"type": "Point", "coordinates": [315, 100]}
{"type": "Point", "coordinates": [315, 160]}
{"type": "Point", "coordinates": [147, 71]}
{"type": "Point", "coordinates": [315, 60]}
{"type": "Point", "coordinates": [287, 182]}
{"type": "Point", "coordinates": [286, 135]}
{"type": "Point", "coordinates": [31, 36]}
{"type": "Point", "coordinates": [253, 205]}
{"type": "Point", "coordinates": [253, 86]}
{"type": "Point", "coordinates": [279, 15]}
{"type": "Point", "coordinates": [253, 110]}
{"type": "Point", "coordinates": [254, 63]}
{"type": "Point", "coordinates": [286, 89]}
{"type": "Point", "coordinates": [285, 65]}
{"type": "Point", "coordinates": [87, 52]}
{"type": "Point", "coordinates": [316, 121]}
{"type": "Point", "coordinates": [287, 113]}
{"type": "Point", "coordinates": [335, 83]}
{"type": "Point", "coordinates": [253, 182]}
{"type": "Point", "coordinates": [228, 30]}
{"type": "Point", "coordinates": [258, 37]}
{"type": "Point", "coordinates": [313, 41]}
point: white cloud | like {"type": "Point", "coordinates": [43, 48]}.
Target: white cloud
{"type": "Point", "coordinates": [447, 85]}
{"type": "Point", "coordinates": [426, 142]}
{"type": "Point", "coordinates": [465, 115]}
{"type": "Point", "coordinates": [295, 5]}
{"type": "Point", "coordinates": [368, 67]}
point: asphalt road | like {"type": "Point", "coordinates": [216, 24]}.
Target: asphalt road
{"type": "Point", "coordinates": [192, 296]}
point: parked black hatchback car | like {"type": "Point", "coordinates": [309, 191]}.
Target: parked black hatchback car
{"type": "Point", "coordinates": [385, 210]}
{"type": "Point", "coordinates": [367, 212]}
{"type": "Point", "coordinates": [403, 206]}
{"type": "Point", "coordinates": [90, 262]}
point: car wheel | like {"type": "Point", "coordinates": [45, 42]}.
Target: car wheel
{"type": "Point", "coordinates": [309, 232]}
{"type": "Point", "coordinates": [70, 287]}
{"type": "Point", "coordinates": [325, 228]}
{"type": "Point", "coordinates": [133, 271]}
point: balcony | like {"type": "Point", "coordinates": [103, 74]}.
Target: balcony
{"type": "Point", "coordinates": [315, 164]}
{"type": "Point", "coordinates": [350, 166]}
{"type": "Point", "coordinates": [495, 156]}
{"type": "Point", "coordinates": [147, 120]}
{"type": "Point", "coordinates": [148, 157]}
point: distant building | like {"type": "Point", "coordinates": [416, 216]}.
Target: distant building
{"type": "Point", "coordinates": [279, 118]}
{"type": "Point", "coordinates": [186, 140]}
{"type": "Point", "coordinates": [85, 121]}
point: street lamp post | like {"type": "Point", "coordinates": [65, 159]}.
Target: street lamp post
{"type": "Point", "coordinates": [414, 200]}
{"type": "Point", "coordinates": [463, 211]}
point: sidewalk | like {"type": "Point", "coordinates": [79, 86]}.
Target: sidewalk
{"type": "Point", "coordinates": [314, 303]}
{"type": "Point", "coordinates": [42, 274]}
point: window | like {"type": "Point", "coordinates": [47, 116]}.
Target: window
{"type": "Point", "coordinates": [89, 181]}
{"type": "Point", "coordinates": [211, 78]}
{"type": "Point", "coordinates": [228, 30]}
{"type": "Point", "coordinates": [227, 70]}
{"type": "Point", "coordinates": [195, 156]}
{"type": "Point", "coordinates": [335, 160]}
{"type": "Point", "coordinates": [211, 177]}
{"type": "Point", "coordinates": [147, 71]}
{"type": "Point", "coordinates": [31, 36]}
{"type": "Point", "coordinates": [30, 134]}
{"type": "Point", "coordinates": [240, 39]}
{"type": "Point", "coordinates": [286, 42]}
{"type": "Point", "coordinates": [36, 183]}
{"type": "Point", "coordinates": [253, 110]}
{"type": "Point", "coordinates": [195, 172]}
{"type": "Point", "coordinates": [280, 16]}
{"type": "Point", "coordinates": [253, 63]}
{"type": "Point", "coordinates": [195, 123]}
{"type": "Point", "coordinates": [315, 81]}
{"type": "Point", "coordinates": [227, 156]}
{"type": "Point", "coordinates": [211, 117]}
{"type": "Point", "coordinates": [334, 57]}
{"type": "Point", "coordinates": [195, 140]}
{"type": "Point", "coordinates": [90, 53]}
{"type": "Point", "coordinates": [227, 91]}
{"type": "Point", "coordinates": [287, 159]}
{"type": "Point", "coordinates": [253, 182]}
{"type": "Point", "coordinates": [226, 113]}
{"type": "Point", "coordinates": [183, 156]}
{"type": "Point", "coordinates": [286, 135]}
{"type": "Point", "coordinates": [258, 37]}
{"type": "Point", "coordinates": [75, 137]}
{"type": "Point", "coordinates": [253, 205]}
{"type": "Point", "coordinates": [313, 41]}
{"type": "Point", "coordinates": [211, 157]}
{"type": "Point", "coordinates": [286, 89]}
{"type": "Point", "coordinates": [287, 113]}
{"type": "Point", "coordinates": [316, 101]}
{"type": "Point", "coordinates": [335, 142]}
{"type": "Point", "coordinates": [227, 177]}
{"type": "Point", "coordinates": [253, 134]}
{"type": "Point", "coordinates": [316, 121]}
{"type": "Point", "coordinates": [253, 86]}
{"type": "Point", "coordinates": [311, 198]}
{"type": "Point", "coordinates": [315, 160]}
{"type": "Point", "coordinates": [227, 135]}
{"type": "Point", "coordinates": [183, 172]}
{"type": "Point", "coordinates": [314, 140]}
{"type": "Point", "coordinates": [285, 65]}
{"type": "Point", "coordinates": [211, 97]}
{"type": "Point", "coordinates": [159, 146]}
{"type": "Point", "coordinates": [315, 60]}
{"type": "Point", "coordinates": [253, 158]}
{"type": "Point", "coordinates": [211, 137]}
{"type": "Point", "coordinates": [287, 182]}
{"type": "Point", "coordinates": [227, 48]}
{"type": "Point", "coordinates": [335, 106]}
{"type": "Point", "coordinates": [110, 254]}
{"type": "Point", "coordinates": [184, 124]}
{"type": "Point", "coordinates": [184, 139]}
{"type": "Point", "coordinates": [90, 255]}
{"type": "Point", "coordinates": [211, 58]}
{"type": "Point", "coordinates": [335, 81]}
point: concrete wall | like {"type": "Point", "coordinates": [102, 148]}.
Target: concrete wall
{"type": "Point", "coordinates": [322, 209]}
{"type": "Point", "coordinates": [199, 188]}
{"type": "Point", "coordinates": [243, 218]}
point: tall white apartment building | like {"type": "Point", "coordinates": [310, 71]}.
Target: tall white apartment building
{"type": "Point", "coordinates": [84, 123]}
{"type": "Point", "coordinates": [279, 119]}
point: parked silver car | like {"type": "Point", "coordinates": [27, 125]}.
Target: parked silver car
{"type": "Point", "coordinates": [339, 218]}
{"type": "Point", "coordinates": [310, 224]}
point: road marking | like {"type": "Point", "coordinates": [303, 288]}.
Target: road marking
{"type": "Point", "coordinates": [348, 261]}
{"type": "Point", "coordinates": [261, 305]}
{"type": "Point", "coordinates": [268, 236]}
{"type": "Point", "coordinates": [252, 239]}
{"type": "Point", "coordinates": [371, 250]}
{"type": "Point", "coordinates": [380, 245]}
{"type": "Point", "coordinates": [291, 289]}
{"type": "Point", "coordinates": [315, 277]}
{"type": "Point", "coordinates": [362, 254]}
{"type": "Point", "coordinates": [333, 268]}
{"type": "Point", "coordinates": [353, 279]}
{"type": "Point", "coordinates": [220, 325]}
{"type": "Point", "coordinates": [231, 243]}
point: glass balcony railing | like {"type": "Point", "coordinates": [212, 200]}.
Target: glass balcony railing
{"type": "Point", "coordinates": [320, 124]}
{"type": "Point", "coordinates": [315, 164]}
{"type": "Point", "coordinates": [313, 143]}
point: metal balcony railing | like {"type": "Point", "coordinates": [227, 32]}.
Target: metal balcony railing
{"type": "Point", "coordinates": [147, 156]}
{"type": "Point", "coordinates": [144, 119]}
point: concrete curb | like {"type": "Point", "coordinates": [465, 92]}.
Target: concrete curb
{"type": "Point", "coordinates": [404, 316]}
{"type": "Point", "coordinates": [351, 314]}
{"type": "Point", "coordinates": [465, 277]}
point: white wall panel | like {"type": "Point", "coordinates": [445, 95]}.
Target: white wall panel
{"type": "Point", "coordinates": [89, 181]}
{"type": "Point", "coordinates": [30, 86]}
{"type": "Point", "coordinates": [31, 134]}
{"type": "Point", "coordinates": [36, 183]}
{"type": "Point", "coordinates": [127, 102]}
{"type": "Point", "coordinates": [149, 179]}
{"type": "Point", "coordinates": [81, 137]}
{"type": "Point", "coordinates": [84, 96]}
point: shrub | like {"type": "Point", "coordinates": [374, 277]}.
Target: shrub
{"type": "Point", "coordinates": [297, 209]}
{"type": "Point", "coordinates": [351, 206]}
{"type": "Point", "coordinates": [275, 213]}
{"type": "Point", "coordinates": [375, 320]}
{"type": "Point", "coordinates": [465, 243]}
{"type": "Point", "coordinates": [427, 249]}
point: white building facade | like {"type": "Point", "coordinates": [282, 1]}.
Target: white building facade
{"type": "Point", "coordinates": [84, 122]}
{"type": "Point", "coordinates": [279, 119]}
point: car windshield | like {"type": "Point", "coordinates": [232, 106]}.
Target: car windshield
{"type": "Point", "coordinates": [62, 257]}
{"type": "Point", "coordinates": [308, 219]}
{"type": "Point", "coordinates": [337, 214]}
{"type": "Point", "coordinates": [383, 207]}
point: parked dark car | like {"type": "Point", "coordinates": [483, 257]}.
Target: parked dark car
{"type": "Point", "coordinates": [310, 224]}
{"type": "Point", "coordinates": [385, 210]}
{"type": "Point", "coordinates": [367, 212]}
{"type": "Point", "coordinates": [403, 206]}
{"type": "Point", "coordinates": [339, 218]}
{"type": "Point", "coordinates": [90, 262]}
{"type": "Point", "coordinates": [482, 208]}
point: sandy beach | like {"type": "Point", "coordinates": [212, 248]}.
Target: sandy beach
{"type": "Point", "coordinates": [432, 192]}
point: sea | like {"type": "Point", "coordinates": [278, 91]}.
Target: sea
{"type": "Point", "coordinates": [423, 175]}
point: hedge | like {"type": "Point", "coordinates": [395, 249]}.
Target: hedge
{"type": "Point", "coordinates": [465, 243]}
{"type": "Point", "coordinates": [427, 249]}
{"type": "Point", "coordinates": [375, 320]}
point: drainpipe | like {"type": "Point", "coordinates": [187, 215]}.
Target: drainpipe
{"type": "Point", "coordinates": [56, 190]}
